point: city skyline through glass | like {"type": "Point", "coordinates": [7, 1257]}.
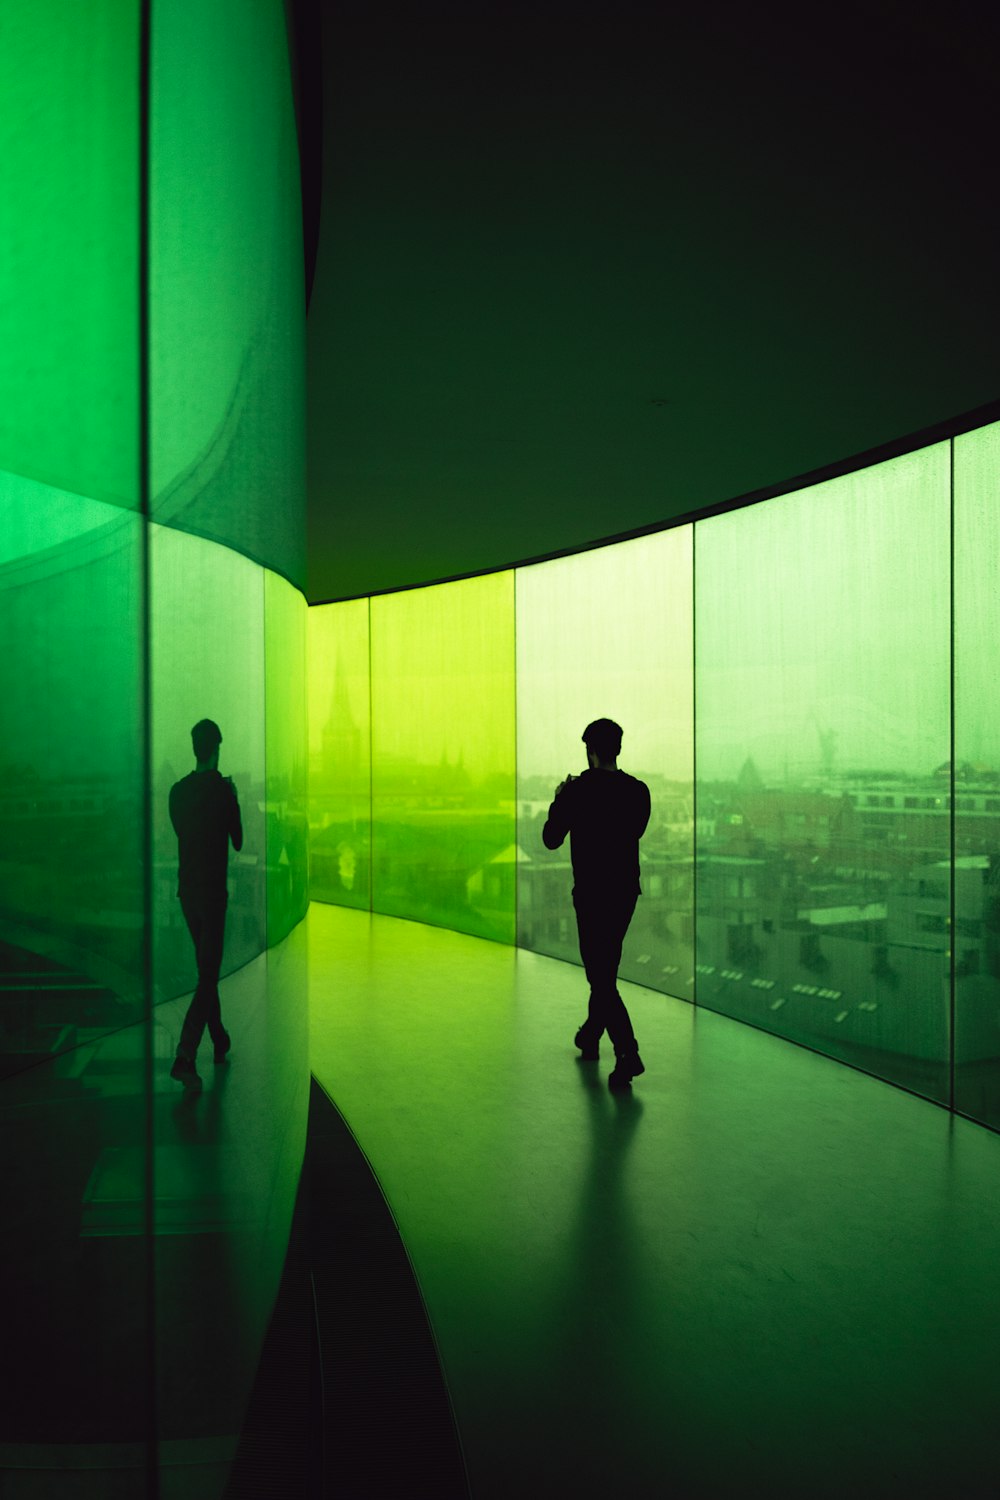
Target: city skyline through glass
{"type": "Point", "coordinates": [442, 736]}
{"type": "Point", "coordinates": [822, 668]}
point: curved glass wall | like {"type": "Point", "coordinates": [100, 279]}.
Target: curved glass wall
{"type": "Point", "coordinates": [804, 684]}
{"type": "Point", "coordinates": [145, 1225]}
{"type": "Point", "coordinates": [822, 656]}
{"type": "Point", "coordinates": [226, 281]}
{"type": "Point", "coordinates": [69, 252]}
{"type": "Point", "coordinates": [207, 636]}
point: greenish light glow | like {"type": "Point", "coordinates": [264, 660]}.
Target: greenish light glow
{"type": "Point", "coordinates": [226, 640]}
{"type": "Point", "coordinates": [227, 472]}
{"type": "Point", "coordinates": [207, 629]}
{"type": "Point", "coordinates": [340, 754]}
{"type": "Point", "coordinates": [226, 280]}
{"type": "Point", "coordinates": [71, 807]}
{"type": "Point", "coordinates": [443, 783]}
{"type": "Point", "coordinates": [69, 161]}
{"type": "Point", "coordinates": [822, 724]}
{"type": "Point", "coordinates": [35, 518]}
{"type": "Point", "coordinates": [977, 761]}
{"type": "Point", "coordinates": [287, 828]}
{"type": "Point", "coordinates": [608, 634]}
{"type": "Point", "coordinates": [819, 718]}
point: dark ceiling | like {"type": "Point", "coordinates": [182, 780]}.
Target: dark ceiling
{"type": "Point", "coordinates": [586, 267]}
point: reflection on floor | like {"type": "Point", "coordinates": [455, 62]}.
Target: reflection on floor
{"type": "Point", "coordinates": [760, 1272]}
{"type": "Point", "coordinates": [74, 1258]}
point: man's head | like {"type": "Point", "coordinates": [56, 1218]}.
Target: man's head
{"type": "Point", "coordinates": [603, 739]}
{"type": "Point", "coordinates": [206, 737]}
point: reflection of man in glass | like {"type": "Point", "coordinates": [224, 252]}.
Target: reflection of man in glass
{"type": "Point", "coordinates": [605, 812]}
{"type": "Point", "coordinates": [205, 812]}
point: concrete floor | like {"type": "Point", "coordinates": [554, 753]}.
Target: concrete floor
{"type": "Point", "coordinates": [759, 1273]}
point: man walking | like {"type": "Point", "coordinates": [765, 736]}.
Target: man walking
{"type": "Point", "coordinates": [605, 812]}
{"type": "Point", "coordinates": [205, 812]}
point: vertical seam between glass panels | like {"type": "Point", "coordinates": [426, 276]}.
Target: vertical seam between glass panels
{"type": "Point", "coordinates": [517, 803]}
{"type": "Point", "coordinates": [145, 665]}
{"type": "Point", "coordinates": [694, 772]}
{"type": "Point", "coordinates": [951, 756]}
{"type": "Point", "coordinates": [267, 835]}
{"type": "Point", "coordinates": [371, 771]}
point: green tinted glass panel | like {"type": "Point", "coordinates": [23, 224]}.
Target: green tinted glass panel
{"type": "Point", "coordinates": [71, 966]}
{"type": "Point", "coordinates": [287, 830]}
{"type": "Point", "coordinates": [226, 314]}
{"type": "Point", "coordinates": [276, 1122]}
{"type": "Point", "coordinates": [71, 689]}
{"type": "Point", "coordinates": [207, 623]}
{"type": "Point", "coordinates": [443, 784]}
{"type": "Point", "coordinates": [73, 1019]}
{"type": "Point", "coordinates": [822, 742]}
{"type": "Point", "coordinates": [226, 328]}
{"type": "Point", "coordinates": [607, 634]}
{"type": "Point", "coordinates": [340, 756]}
{"type": "Point", "coordinates": [69, 216]}
{"type": "Point", "coordinates": [227, 299]}
{"type": "Point", "coordinates": [977, 775]}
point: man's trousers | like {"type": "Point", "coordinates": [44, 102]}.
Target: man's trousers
{"type": "Point", "coordinates": [602, 922]}
{"type": "Point", "coordinates": [206, 919]}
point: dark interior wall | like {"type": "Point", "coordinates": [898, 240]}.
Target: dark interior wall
{"type": "Point", "coordinates": [583, 268]}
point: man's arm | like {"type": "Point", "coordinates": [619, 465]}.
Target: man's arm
{"type": "Point", "coordinates": [235, 821]}
{"type": "Point", "coordinates": [557, 824]}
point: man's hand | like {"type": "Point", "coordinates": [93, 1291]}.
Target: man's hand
{"type": "Point", "coordinates": [563, 784]}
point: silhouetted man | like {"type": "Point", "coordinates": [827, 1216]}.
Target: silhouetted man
{"type": "Point", "coordinates": [605, 812]}
{"type": "Point", "coordinates": [205, 812]}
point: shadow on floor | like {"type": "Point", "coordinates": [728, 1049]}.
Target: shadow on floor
{"type": "Point", "coordinates": [349, 1398]}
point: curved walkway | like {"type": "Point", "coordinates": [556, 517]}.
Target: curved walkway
{"type": "Point", "coordinates": [761, 1272]}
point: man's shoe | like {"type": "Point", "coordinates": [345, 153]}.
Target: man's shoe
{"type": "Point", "coordinates": [628, 1065]}
{"type": "Point", "coordinates": [185, 1072]}
{"type": "Point", "coordinates": [221, 1052]}
{"type": "Point", "coordinates": [588, 1049]}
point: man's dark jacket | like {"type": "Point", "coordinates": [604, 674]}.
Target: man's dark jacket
{"type": "Point", "coordinates": [605, 814]}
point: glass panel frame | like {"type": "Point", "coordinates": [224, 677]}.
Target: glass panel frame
{"type": "Point", "coordinates": [977, 775]}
